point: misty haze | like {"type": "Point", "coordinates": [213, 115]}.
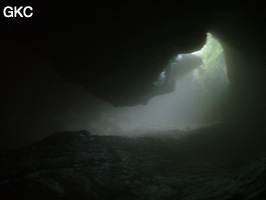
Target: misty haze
{"type": "Point", "coordinates": [193, 103]}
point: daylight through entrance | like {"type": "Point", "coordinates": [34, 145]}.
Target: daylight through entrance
{"type": "Point", "coordinates": [196, 100]}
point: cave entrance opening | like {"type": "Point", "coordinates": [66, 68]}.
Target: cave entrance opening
{"type": "Point", "coordinates": [196, 100]}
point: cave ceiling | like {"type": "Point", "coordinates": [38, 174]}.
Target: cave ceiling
{"type": "Point", "coordinates": [116, 50]}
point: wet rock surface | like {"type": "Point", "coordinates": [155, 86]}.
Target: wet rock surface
{"type": "Point", "coordinates": [78, 165]}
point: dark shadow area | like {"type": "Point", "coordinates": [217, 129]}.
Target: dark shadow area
{"type": "Point", "coordinates": [164, 115]}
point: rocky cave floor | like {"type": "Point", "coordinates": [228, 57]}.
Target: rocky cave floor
{"type": "Point", "coordinates": [174, 165]}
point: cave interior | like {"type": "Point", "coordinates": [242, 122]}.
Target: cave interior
{"type": "Point", "coordinates": [69, 68]}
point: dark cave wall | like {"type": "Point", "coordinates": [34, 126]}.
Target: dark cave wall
{"type": "Point", "coordinates": [244, 46]}
{"type": "Point", "coordinates": [119, 65]}
{"type": "Point", "coordinates": [116, 50]}
{"type": "Point", "coordinates": [247, 93]}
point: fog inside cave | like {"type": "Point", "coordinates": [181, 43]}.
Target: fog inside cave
{"type": "Point", "coordinates": [196, 101]}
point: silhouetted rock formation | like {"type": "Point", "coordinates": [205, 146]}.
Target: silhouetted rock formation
{"type": "Point", "coordinates": [116, 50]}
